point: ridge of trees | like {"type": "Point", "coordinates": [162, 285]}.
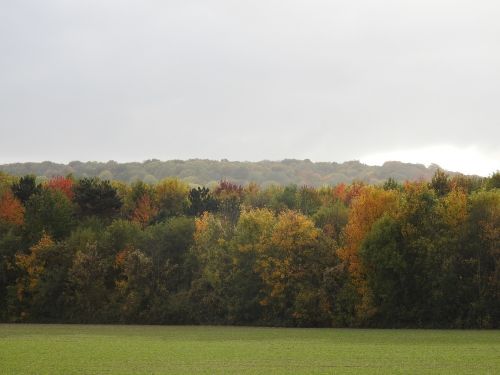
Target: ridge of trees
{"type": "Point", "coordinates": [210, 172]}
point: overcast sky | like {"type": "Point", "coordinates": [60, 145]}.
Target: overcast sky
{"type": "Point", "coordinates": [328, 80]}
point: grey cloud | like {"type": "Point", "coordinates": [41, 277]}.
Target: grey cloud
{"type": "Point", "coordinates": [247, 80]}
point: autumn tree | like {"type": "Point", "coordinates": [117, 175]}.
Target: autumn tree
{"type": "Point", "coordinates": [11, 230]}
{"type": "Point", "coordinates": [292, 270]}
{"type": "Point", "coordinates": [11, 209]}
{"type": "Point", "coordinates": [249, 245]}
{"type": "Point", "coordinates": [133, 287]}
{"type": "Point", "coordinates": [141, 203]}
{"type": "Point", "coordinates": [369, 205]}
{"type": "Point", "coordinates": [41, 284]}
{"type": "Point", "coordinates": [213, 266]}
{"type": "Point", "coordinates": [63, 184]}
{"type": "Point", "coordinates": [172, 196]}
{"type": "Point", "coordinates": [229, 197]}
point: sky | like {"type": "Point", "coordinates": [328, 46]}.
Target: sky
{"type": "Point", "coordinates": [416, 81]}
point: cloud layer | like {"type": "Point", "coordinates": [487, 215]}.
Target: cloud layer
{"type": "Point", "coordinates": [248, 80]}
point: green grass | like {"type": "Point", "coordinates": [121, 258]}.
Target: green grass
{"type": "Point", "coordinates": [80, 349]}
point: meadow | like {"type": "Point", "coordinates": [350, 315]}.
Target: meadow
{"type": "Point", "coordinates": [108, 349]}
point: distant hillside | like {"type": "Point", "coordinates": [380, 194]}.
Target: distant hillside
{"type": "Point", "coordinates": [206, 172]}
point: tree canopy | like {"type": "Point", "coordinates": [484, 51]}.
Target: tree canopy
{"type": "Point", "coordinates": [411, 254]}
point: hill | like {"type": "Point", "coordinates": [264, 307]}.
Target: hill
{"type": "Point", "coordinates": [206, 172]}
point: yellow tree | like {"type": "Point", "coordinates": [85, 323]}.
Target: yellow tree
{"type": "Point", "coordinates": [254, 230]}
{"type": "Point", "coordinates": [172, 196]}
{"type": "Point", "coordinates": [42, 280]}
{"type": "Point", "coordinates": [452, 210]}
{"type": "Point", "coordinates": [33, 265]}
{"type": "Point", "coordinates": [210, 249]}
{"type": "Point", "coordinates": [251, 240]}
{"type": "Point", "coordinates": [291, 268]}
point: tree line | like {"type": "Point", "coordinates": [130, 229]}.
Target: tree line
{"type": "Point", "coordinates": [210, 172]}
{"type": "Point", "coordinates": [412, 254]}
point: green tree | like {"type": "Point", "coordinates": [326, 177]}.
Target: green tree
{"type": "Point", "coordinates": [441, 182]}
{"type": "Point", "coordinates": [308, 200]}
{"type": "Point", "coordinates": [484, 241]}
{"type": "Point", "coordinates": [332, 219]}
{"type": "Point", "coordinates": [25, 188]}
{"type": "Point", "coordinates": [200, 201]}
{"type": "Point", "coordinates": [89, 298]}
{"type": "Point", "coordinates": [133, 286]}
{"type": "Point", "coordinates": [384, 261]}
{"type": "Point", "coordinates": [392, 184]}
{"type": "Point", "coordinates": [97, 197]}
{"type": "Point", "coordinates": [493, 182]}
{"type": "Point", "coordinates": [49, 211]}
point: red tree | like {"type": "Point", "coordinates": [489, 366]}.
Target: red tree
{"type": "Point", "coordinates": [11, 209]}
{"type": "Point", "coordinates": [63, 184]}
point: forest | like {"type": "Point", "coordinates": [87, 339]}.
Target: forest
{"type": "Point", "coordinates": [210, 172]}
{"type": "Point", "coordinates": [392, 254]}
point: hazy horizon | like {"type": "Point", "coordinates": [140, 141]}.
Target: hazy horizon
{"type": "Point", "coordinates": [415, 82]}
{"type": "Point", "coordinates": [375, 162]}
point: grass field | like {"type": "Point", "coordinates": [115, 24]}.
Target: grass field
{"type": "Point", "coordinates": [121, 350]}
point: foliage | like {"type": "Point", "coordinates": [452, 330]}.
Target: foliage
{"type": "Point", "coordinates": [25, 188]}
{"type": "Point", "coordinates": [172, 195]}
{"type": "Point", "coordinates": [96, 197]}
{"type": "Point", "coordinates": [418, 254]}
{"type": "Point", "coordinates": [11, 209]}
{"type": "Point", "coordinates": [51, 212]}
{"type": "Point", "coordinates": [200, 201]}
{"type": "Point", "coordinates": [440, 183]}
{"type": "Point", "coordinates": [367, 207]}
{"type": "Point", "coordinates": [63, 184]}
{"type": "Point", "coordinates": [41, 283]}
